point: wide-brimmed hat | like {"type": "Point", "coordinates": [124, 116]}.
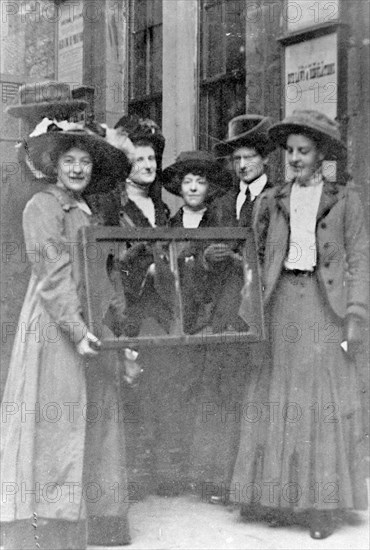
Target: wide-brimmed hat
{"type": "Point", "coordinates": [246, 131]}
{"type": "Point", "coordinates": [317, 125]}
{"type": "Point", "coordinates": [220, 179]}
{"type": "Point", "coordinates": [109, 163]}
{"type": "Point", "coordinates": [138, 129]}
{"type": "Point", "coordinates": [49, 99]}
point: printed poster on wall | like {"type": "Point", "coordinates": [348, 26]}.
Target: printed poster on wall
{"type": "Point", "coordinates": [311, 79]}
{"type": "Point", "coordinates": [70, 43]}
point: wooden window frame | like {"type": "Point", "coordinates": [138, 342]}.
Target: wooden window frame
{"type": "Point", "coordinates": [97, 243]}
{"type": "Point", "coordinates": [149, 104]}
{"type": "Point", "coordinates": [210, 84]}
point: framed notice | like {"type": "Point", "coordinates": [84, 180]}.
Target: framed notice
{"type": "Point", "coordinates": [153, 287]}
{"type": "Point", "coordinates": [70, 42]}
{"type": "Point", "coordinates": [311, 75]}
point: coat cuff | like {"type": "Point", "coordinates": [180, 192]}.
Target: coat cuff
{"type": "Point", "coordinates": [358, 309]}
{"type": "Point", "coordinates": [75, 330]}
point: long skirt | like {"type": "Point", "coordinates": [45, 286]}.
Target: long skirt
{"type": "Point", "coordinates": [301, 434]}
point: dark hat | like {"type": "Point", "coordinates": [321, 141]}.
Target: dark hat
{"type": "Point", "coordinates": [45, 99]}
{"type": "Point", "coordinates": [220, 180]}
{"type": "Point", "coordinates": [246, 131]}
{"type": "Point", "coordinates": [316, 125]}
{"type": "Point", "coordinates": [138, 129]}
{"type": "Point", "coordinates": [109, 163]}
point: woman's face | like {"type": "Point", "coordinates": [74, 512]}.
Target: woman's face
{"type": "Point", "coordinates": [74, 170]}
{"type": "Point", "coordinates": [144, 167]}
{"type": "Point", "coordinates": [304, 157]}
{"type": "Point", "coordinates": [194, 190]}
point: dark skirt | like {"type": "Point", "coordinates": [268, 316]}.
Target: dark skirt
{"type": "Point", "coordinates": [301, 434]}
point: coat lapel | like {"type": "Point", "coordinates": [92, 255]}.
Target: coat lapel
{"type": "Point", "coordinates": [329, 197]}
{"type": "Point", "coordinates": [283, 199]}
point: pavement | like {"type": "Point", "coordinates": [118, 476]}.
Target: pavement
{"type": "Point", "coordinates": [186, 522]}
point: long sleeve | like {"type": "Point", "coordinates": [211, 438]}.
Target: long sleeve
{"type": "Point", "coordinates": [51, 255]}
{"type": "Point", "coordinates": [357, 255]}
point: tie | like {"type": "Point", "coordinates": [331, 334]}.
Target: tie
{"type": "Point", "coordinates": [245, 218]}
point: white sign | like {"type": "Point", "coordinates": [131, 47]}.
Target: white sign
{"type": "Point", "coordinates": [311, 75]}
{"type": "Point", "coordinates": [311, 78]}
{"type": "Point", "coordinates": [301, 14]}
{"type": "Point", "coordinates": [70, 42]}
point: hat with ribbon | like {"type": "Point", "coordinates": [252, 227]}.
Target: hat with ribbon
{"type": "Point", "coordinates": [219, 179]}
{"type": "Point", "coordinates": [49, 99]}
{"type": "Point", "coordinates": [314, 124]}
{"type": "Point", "coordinates": [246, 131]}
{"type": "Point", "coordinates": [40, 152]}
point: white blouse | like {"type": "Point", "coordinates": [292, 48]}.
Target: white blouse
{"type": "Point", "coordinates": [192, 218]}
{"type": "Point", "coordinates": [304, 204]}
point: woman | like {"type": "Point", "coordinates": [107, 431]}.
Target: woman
{"type": "Point", "coordinates": [211, 298]}
{"type": "Point", "coordinates": [46, 445]}
{"type": "Point", "coordinates": [137, 202]}
{"type": "Point", "coordinates": [198, 179]}
{"type": "Point", "coordinates": [301, 451]}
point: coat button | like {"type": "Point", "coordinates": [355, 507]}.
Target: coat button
{"type": "Point", "coordinates": [330, 281]}
{"type": "Point", "coordinates": [326, 245]}
{"type": "Point", "coordinates": [323, 225]}
{"type": "Point", "coordinates": [326, 264]}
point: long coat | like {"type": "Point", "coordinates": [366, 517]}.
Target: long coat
{"type": "Point", "coordinates": [320, 445]}
{"type": "Point", "coordinates": [43, 441]}
{"type": "Point", "coordinates": [342, 245]}
{"type": "Point", "coordinates": [56, 425]}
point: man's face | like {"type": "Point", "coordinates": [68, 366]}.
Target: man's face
{"type": "Point", "coordinates": [144, 168]}
{"type": "Point", "coordinates": [248, 164]}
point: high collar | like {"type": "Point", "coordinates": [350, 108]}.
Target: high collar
{"type": "Point", "coordinates": [65, 198]}
{"type": "Point", "coordinates": [255, 187]}
{"type": "Point", "coordinates": [135, 190]}
{"type": "Point", "coordinates": [328, 198]}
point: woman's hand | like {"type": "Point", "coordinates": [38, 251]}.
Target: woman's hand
{"type": "Point", "coordinates": [89, 345]}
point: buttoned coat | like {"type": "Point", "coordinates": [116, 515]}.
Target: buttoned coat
{"type": "Point", "coordinates": [341, 245]}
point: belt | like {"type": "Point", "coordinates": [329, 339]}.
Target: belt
{"type": "Point", "coordinates": [299, 272]}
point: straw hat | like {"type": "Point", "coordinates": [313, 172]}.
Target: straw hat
{"type": "Point", "coordinates": [314, 124]}
{"type": "Point", "coordinates": [220, 180]}
{"type": "Point", "coordinates": [109, 163]}
{"type": "Point", "coordinates": [246, 131]}
{"type": "Point", "coordinates": [45, 99]}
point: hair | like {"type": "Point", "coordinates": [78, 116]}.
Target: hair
{"type": "Point", "coordinates": [319, 141]}
{"type": "Point", "coordinates": [196, 171]}
{"type": "Point", "coordinates": [143, 142]}
{"type": "Point", "coordinates": [262, 149]}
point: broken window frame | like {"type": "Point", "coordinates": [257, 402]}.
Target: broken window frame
{"type": "Point", "coordinates": [98, 242]}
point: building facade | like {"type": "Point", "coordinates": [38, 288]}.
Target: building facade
{"type": "Point", "coordinates": [191, 65]}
